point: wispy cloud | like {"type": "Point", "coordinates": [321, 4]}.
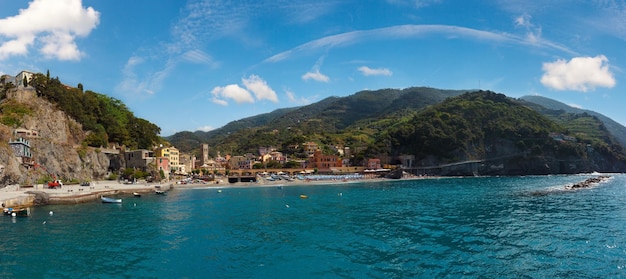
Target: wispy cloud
{"type": "Point", "coordinates": [135, 85]}
{"type": "Point", "coordinates": [408, 32]}
{"type": "Point", "coordinates": [367, 71]}
{"type": "Point", "coordinates": [612, 19]}
{"type": "Point", "coordinates": [578, 74]}
{"type": "Point", "coordinates": [202, 21]}
{"type": "Point", "coordinates": [199, 57]}
{"type": "Point", "coordinates": [294, 99]}
{"type": "Point", "coordinates": [151, 81]}
{"type": "Point", "coordinates": [414, 3]}
{"type": "Point", "coordinates": [49, 25]}
{"type": "Point", "coordinates": [533, 33]}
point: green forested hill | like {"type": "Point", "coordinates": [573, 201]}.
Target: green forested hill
{"type": "Point", "coordinates": [560, 110]}
{"type": "Point", "coordinates": [344, 119]}
{"type": "Point", "coordinates": [463, 128]}
{"type": "Point", "coordinates": [436, 126]}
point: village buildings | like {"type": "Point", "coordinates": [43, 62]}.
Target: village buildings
{"type": "Point", "coordinates": [169, 160]}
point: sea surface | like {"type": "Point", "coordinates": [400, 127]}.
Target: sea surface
{"type": "Point", "coordinates": [486, 227]}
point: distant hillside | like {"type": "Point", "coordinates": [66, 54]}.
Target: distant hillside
{"type": "Point", "coordinates": [616, 129]}
{"type": "Point", "coordinates": [332, 114]}
{"type": "Point", "coordinates": [436, 126]}
{"type": "Point", "coordinates": [501, 131]}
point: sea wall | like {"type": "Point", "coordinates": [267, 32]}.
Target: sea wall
{"type": "Point", "coordinates": [21, 201]}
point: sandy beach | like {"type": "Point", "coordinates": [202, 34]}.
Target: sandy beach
{"type": "Point", "coordinates": [16, 196]}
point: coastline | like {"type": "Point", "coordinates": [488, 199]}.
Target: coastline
{"type": "Point", "coordinates": [37, 195]}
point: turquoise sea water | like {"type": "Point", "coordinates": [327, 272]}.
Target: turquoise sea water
{"type": "Point", "coordinates": [500, 227]}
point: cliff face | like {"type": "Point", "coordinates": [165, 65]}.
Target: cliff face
{"type": "Point", "coordinates": [56, 147]}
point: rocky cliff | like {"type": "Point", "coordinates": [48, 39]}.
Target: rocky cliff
{"type": "Point", "coordinates": [55, 147]}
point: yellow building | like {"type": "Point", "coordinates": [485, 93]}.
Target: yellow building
{"type": "Point", "coordinates": [172, 154]}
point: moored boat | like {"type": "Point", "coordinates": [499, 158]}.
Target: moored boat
{"type": "Point", "coordinates": [159, 192]}
{"type": "Point", "coordinates": [110, 200]}
{"type": "Point", "coordinates": [136, 194]}
{"type": "Point", "coordinates": [17, 212]}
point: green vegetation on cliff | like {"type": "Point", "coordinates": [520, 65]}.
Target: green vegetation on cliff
{"type": "Point", "coordinates": [461, 128]}
{"type": "Point", "coordinates": [106, 119]}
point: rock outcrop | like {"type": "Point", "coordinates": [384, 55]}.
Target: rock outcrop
{"type": "Point", "coordinates": [57, 147]}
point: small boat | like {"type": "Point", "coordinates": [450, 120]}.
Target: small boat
{"type": "Point", "coordinates": [304, 196]}
{"type": "Point", "coordinates": [136, 194]}
{"type": "Point", "coordinates": [159, 192]}
{"type": "Point", "coordinates": [17, 212]}
{"type": "Point", "coordinates": [110, 200]}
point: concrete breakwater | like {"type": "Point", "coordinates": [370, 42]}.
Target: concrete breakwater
{"type": "Point", "coordinates": [590, 181]}
{"type": "Point", "coordinates": [73, 194]}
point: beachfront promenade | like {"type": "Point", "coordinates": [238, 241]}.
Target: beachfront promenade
{"type": "Point", "coordinates": [16, 196]}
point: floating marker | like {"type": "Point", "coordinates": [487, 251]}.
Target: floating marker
{"type": "Point", "coordinates": [51, 213]}
{"type": "Point", "coordinates": [286, 205]}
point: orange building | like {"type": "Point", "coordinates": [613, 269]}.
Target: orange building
{"type": "Point", "coordinates": [324, 162]}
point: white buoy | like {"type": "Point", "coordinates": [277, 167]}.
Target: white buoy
{"type": "Point", "coordinates": [219, 191]}
{"type": "Point", "coordinates": [340, 194]}
{"type": "Point", "coordinates": [13, 214]}
{"type": "Point", "coordinates": [44, 222]}
{"type": "Point", "coordinates": [286, 205]}
{"type": "Point", "coordinates": [51, 213]}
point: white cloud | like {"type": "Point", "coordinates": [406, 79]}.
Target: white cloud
{"type": "Point", "coordinates": [367, 71]}
{"type": "Point", "coordinates": [205, 128]}
{"type": "Point", "coordinates": [49, 25]}
{"type": "Point", "coordinates": [260, 88]}
{"type": "Point", "coordinates": [316, 75]}
{"type": "Point", "coordinates": [579, 74]}
{"type": "Point", "coordinates": [233, 92]}
{"type": "Point", "coordinates": [253, 84]}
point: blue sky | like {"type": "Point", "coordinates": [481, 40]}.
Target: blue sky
{"type": "Point", "coordinates": [197, 65]}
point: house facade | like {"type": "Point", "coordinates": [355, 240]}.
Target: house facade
{"type": "Point", "coordinates": [139, 159]}
{"type": "Point", "coordinates": [324, 162]}
{"type": "Point", "coordinates": [172, 154]}
{"type": "Point", "coordinates": [21, 150]}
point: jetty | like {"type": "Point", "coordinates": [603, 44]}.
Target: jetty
{"type": "Point", "coordinates": [590, 182]}
{"type": "Point", "coordinates": [36, 195]}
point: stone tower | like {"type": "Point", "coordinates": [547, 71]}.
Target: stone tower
{"type": "Point", "coordinates": [205, 153]}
